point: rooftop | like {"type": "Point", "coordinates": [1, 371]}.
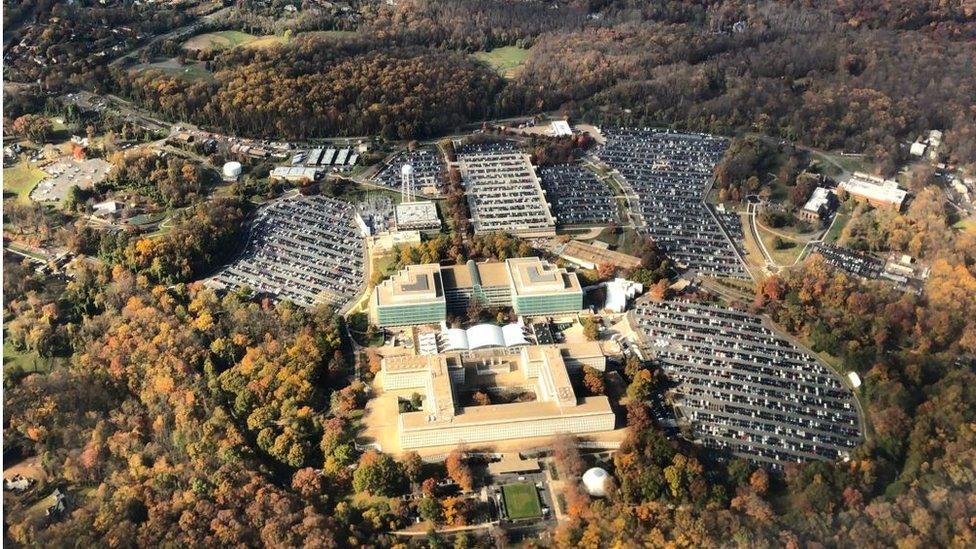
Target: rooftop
{"type": "Point", "coordinates": [875, 188]}
{"type": "Point", "coordinates": [531, 276]}
{"type": "Point", "coordinates": [819, 199]}
{"type": "Point", "coordinates": [415, 284]}
{"type": "Point", "coordinates": [589, 253]}
{"type": "Point", "coordinates": [413, 214]}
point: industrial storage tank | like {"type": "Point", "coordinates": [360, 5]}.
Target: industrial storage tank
{"type": "Point", "coordinates": [595, 481]}
{"type": "Point", "coordinates": [232, 170]}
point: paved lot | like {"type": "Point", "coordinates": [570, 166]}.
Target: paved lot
{"type": "Point", "coordinates": [64, 173]}
{"type": "Point", "coordinates": [667, 176]}
{"type": "Point", "coordinates": [741, 387]}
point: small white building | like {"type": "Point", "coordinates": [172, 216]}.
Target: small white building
{"type": "Point", "coordinates": [620, 292]}
{"type": "Point", "coordinates": [917, 149]}
{"type": "Point", "coordinates": [561, 128]}
{"type": "Point", "coordinates": [109, 208]}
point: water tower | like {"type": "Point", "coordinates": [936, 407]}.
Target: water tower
{"type": "Point", "coordinates": [407, 184]}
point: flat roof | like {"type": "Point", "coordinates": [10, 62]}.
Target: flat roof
{"type": "Point", "coordinates": [414, 284]}
{"type": "Point", "coordinates": [519, 411]}
{"type": "Point", "coordinates": [513, 463]}
{"type": "Point", "coordinates": [819, 199]}
{"type": "Point", "coordinates": [532, 276]}
{"type": "Point", "coordinates": [875, 188]}
{"type": "Point", "coordinates": [491, 273]}
{"type": "Point", "coordinates": [596, 255]}
{"type": "Point", "coordinates": [411, 213]}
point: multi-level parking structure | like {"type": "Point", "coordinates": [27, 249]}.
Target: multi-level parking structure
{"type": "Point", "coordinates": [666, 176]}
{"type": "Point", "coordinates": [740, 387]}
{"type": "Point", "coordinates": [504, 193]}
{"type": "Point", "coordinates": [429, 170]}
{"type": "Point", "coordinates": [577, 196]}
{"type": "Point", "coordinates": [307, 250]}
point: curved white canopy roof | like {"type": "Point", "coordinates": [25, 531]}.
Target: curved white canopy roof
{"type": "Point", "coordinates": [484, 335]}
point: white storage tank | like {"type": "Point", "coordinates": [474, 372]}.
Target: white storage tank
{"type": "Point", "coordinates": [232, 170]}
{"type": "Point", "coordinates": [595, 481]}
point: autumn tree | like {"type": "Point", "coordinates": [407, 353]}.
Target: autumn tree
{"type": "Point", "coordinates": [458, 470]}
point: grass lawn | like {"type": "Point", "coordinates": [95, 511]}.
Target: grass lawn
{"type": "Point", "coordinates": [221, 40]}
{"type": "Point", "coordinates": [521, 501]}
{"type": "Point", "coordinates": [834, 233]}
{"type": "Point", "coordinates": [784, 256]}
{"type": "Point", "coordinates": [190, 71]}
{"type": "Point", "coordinates": [507, 60]}
{"type": "Point", "coordinates": [966, 225]}
{"type": "Point", "coordinates": [14, 360]}
{"type": "Point", "coordinates": [20, 180]}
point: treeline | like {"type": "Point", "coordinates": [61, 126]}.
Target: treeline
{"type": "Point", "coordinates": [301, 92]}
{"type": "Point", "coordinates": [472, 25]}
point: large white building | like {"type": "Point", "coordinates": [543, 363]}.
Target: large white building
{"type": "Point", "coordinates": [444, 422]}
{"type": "Point", "coordinates": [877, 191]}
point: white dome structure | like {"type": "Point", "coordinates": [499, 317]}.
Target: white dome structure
{"type": "Point", "coordinates": [406, 170]}
{"type": "Point", "coordinates": [595, 481]}
{"type": "Point", "coordinates": [232, 169]}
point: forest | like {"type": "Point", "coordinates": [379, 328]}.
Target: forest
{"type": "Point", "coordinates": [176, 416]}
{"type": "Point", "coordinates": [840, 76]}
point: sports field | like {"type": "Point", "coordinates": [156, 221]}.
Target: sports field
{"type": "Point", "coordinates": [521, 501]}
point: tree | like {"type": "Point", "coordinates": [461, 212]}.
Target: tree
{"type": "Point", "coordinates": [378, 474]}
{"type": "Point", "coordinates": [458, 470]}
{"type": "Point", "coordinates": [481, 398]}
{"type": "Point", "coordinates": [593, 380]}
{"type": "Point", "coordinates": [430, 510]}
{"type": "Point", "coordinates": [35, 127]}
{"type": "Point", "coordinates": [660, 289]}
{"type": "Point", "coordinates": [641, 386]}
{"type": "Point", "coordinates": [590, 328]}
{"type": "Point", "coordinates": [413, 466]}
{"type": "Point", "coordinates": [566, 454]}
{"type": "Point", "coordinates": [759, 481]}
{"type": "Point", "coordinates": [474, 310]}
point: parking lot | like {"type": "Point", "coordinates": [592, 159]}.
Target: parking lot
{"type": "Point", "coordinates": [304, 249]}
{"type": "Point", "coordinates": [68, 172]}
{"type": "Point", "coordinates": [668, 175]}
{"type": "Point", "coordinates": [577, 196]}
{"type": "Point", "coordinates": [741, 387]}
{"type": "Point", "coordinates": [851, 261]}
{"type": "Point", "coordinates": [429, 170]}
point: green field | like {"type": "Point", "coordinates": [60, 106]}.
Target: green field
{"type": "Point", "coordinates": [17, 361]}
{"type": "Point", "coordinates": [507, 60]}
{"type": "Point", "coordinates": [521, 501]}
{"type": "Point", "coordinates": [834, 233]}
{"type": "Point", "coordinates": [966, 225]}
{"type": "Point", "coordinates": [20, 180]}
{"type": "Point", "coordinates": [221, 40]}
